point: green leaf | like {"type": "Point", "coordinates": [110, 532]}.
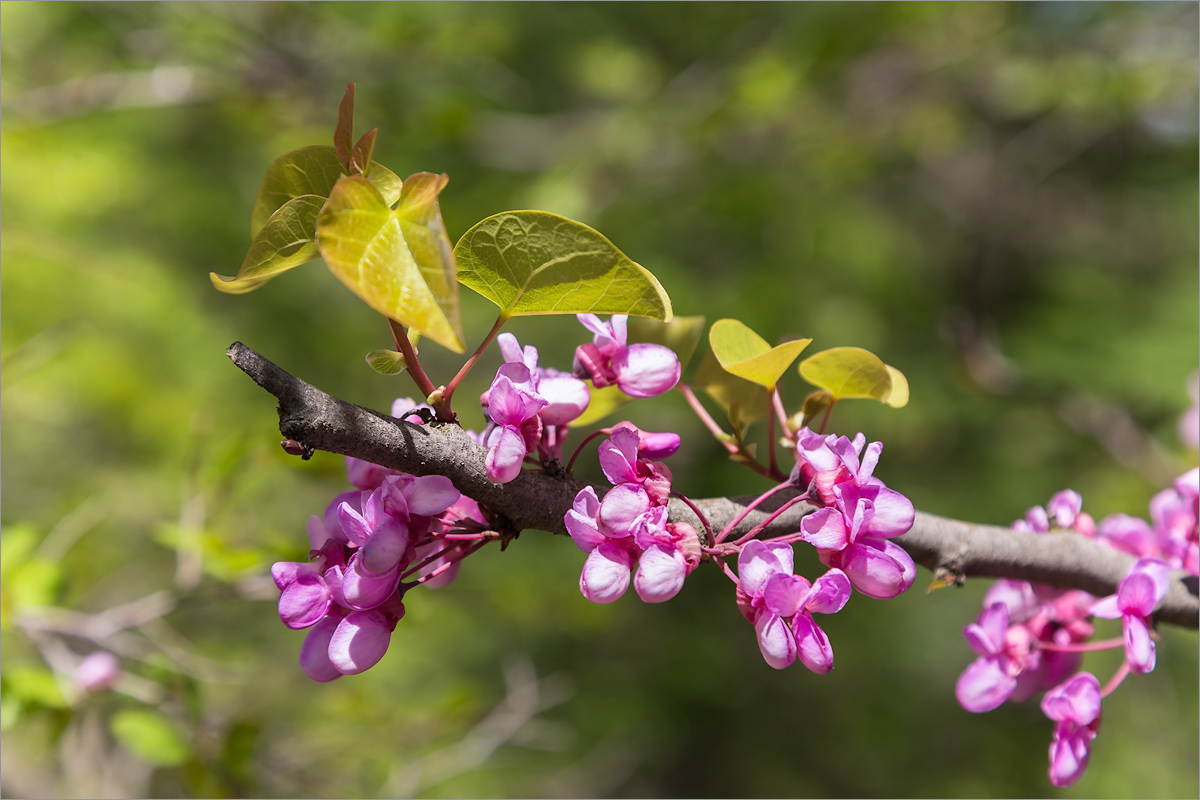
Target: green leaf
{"type": "Point", "coordinates": [681, 334]}
{"type": "Point", "coordinates": [287, 240]}
{"type": "Point", "coordinates": [150, 736]}
{"type": "Point", "coordinates": [739, 398]}
{"type": "Point", "coordinates": [604, 402]}
{"type": "Point", "coordinates": [386, 362]}
{"type": "Point", "coordinates": [898, 397]}
{"type": "Point", "coordinates": [311, 170]}
{"type": "Point", "coordinates": [848, 372]}
{"type": "Point", "coordinates": [534, 262]}
{"type": "Point", "coordinates": [33, 685]}
{"type": "Point", "coordinates": [744, 353]}
{"type": "Point", "coordinates": [399, 262]}
{"type": "Point", "coordinates": [343, 133]}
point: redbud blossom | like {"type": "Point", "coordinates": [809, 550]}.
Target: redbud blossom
{"type": "Point", "coordinates": [639, 370]}
{"type": "Point", "coordinates": [1139, 593]}
{"type": "Point", "coordinates": [1075, 707]}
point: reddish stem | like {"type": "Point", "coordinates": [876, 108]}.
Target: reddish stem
{"type": "Point", "coordinates": [1115, 680]}
{"type": "Point", "coordinates": [699, 514]}
{"type": "Point", "coordinates": [588, 438]}
{"type": "Point", "coordinates": [1082, 647]}
{"type": "Point", "coordinates": [741, 516]}
{"type": "Point", "coordinates": [757, 529]}
{"type": "Point", "coordinates": [448, 392]}
{"type": "Point", "coordinates": [400, 335]}
{"type": "Point", "coordinates": [732, 449]}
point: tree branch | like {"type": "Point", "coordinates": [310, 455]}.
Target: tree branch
{"type": "Point", "coordinates": [950, 548]}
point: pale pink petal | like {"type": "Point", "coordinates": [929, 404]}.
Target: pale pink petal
{"type": "Point", "coordinates": [784, 593]}
{"type": "Point", "coordinates": [384, 550]}
{"type": "Point", "coordinates": [618, 456]}
{"type": "Point", "coordinates": [984, 685]}
{"type": "Point", "coordinates": [1139, 647]}
{"type": "Point", "coordinates": [567, 396]}
{"type": "Point", "coordinates": [759, 560]}
{"type": "Point", "coordinates": [1076, 700]}
{"type": "Point", "coordinates": [660, 574]}
{"type": "Point", "coordinates": [776, 641]}
{"type": "Point", "coordinates": [605, 574]}
{"type": "Point", "coordinates": [430, 495]}
{"type": "Point", "coordinates": [506, 451]}
{"type": "Point", "coordinates": [581, 521]}
{"type": "Point", "coordinates": [1069, 752]}
{"type": "Point", "coordinates": [646, 370]}
{"type": "Point", "coordinates": [878, 568]}
{"type": "Point", "coordinates": [825, 529]}
{"type": "Point", "coordinates": [621, 508]}
{"type": "Point", "coordinates": [812, 645]}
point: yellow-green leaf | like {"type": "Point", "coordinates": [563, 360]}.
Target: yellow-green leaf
{"type": "Point", "coordinates": [739, 398]}
{"type": "Point", "coordinates": [311, 170]}
{"type": "Point", "coordinates": [287, 240]}
{"type": "Point", "coordinates": [399, 262]}
{"type": "Point", "coordinates": [604, 401]}
{"type": "Point", "coordinates": [898, 398]}
{"type": "Point", "coordinates": [535, 262]}
{"type": "Point", "coordinates": [386, 362]}
{"type": "Point", "coordinates": [681, 334]}
{"type": "Point", "coordinates": [744, 353]}
{"type": "Point", "coordinates": [150, 736]}
{"type": "Point", "coordinates": [848, 372]}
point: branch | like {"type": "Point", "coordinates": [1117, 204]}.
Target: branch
{"type": "Point", "coordinates": [538, 500]}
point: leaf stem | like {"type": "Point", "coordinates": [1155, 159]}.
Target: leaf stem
{"type": "Point", "coordinates": [448, 392]}
{"type": "Point", "coordinates": [424, 385]}
{"type": "Point", "coordinates": [750, 507]}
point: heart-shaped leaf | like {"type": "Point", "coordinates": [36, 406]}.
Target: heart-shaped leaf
{"type": "Point", "coordinates": [744, 353]}
{"type": "Point", "coordinates": [898, 398]}
{"type": "Point", "coordinates": [311, 170]}
{"type": "Point", "coordinates": [848, 372]}
{"type": "Point", "coordinates": [535, 262]}
{"type": "Point", "coordinates": [287, 240]}
{"type": "Point", "coordinates": [741, 399]}
{"type": "Point", "coordinates": [399, 262]}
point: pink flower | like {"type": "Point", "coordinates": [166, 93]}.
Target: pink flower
{"type": "Point", "coordinates": [513, 407]}
{"type": "Point", "coordinates": [1004, 653]}
{"type": "Point", "coordinates": [1142, 589]}
{"type": "Point", "coordinates": [98, 671]}
{"type": "Point", "coordinates": [639, 370]}
{"type": "Point", "coordinates": [1075, 707]}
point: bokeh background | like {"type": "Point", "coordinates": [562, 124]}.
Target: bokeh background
{"type": "Point", "coordinates": [999, 199]}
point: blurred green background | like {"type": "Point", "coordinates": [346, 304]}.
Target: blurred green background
{"type": "Point", "coordinates": [998, 199]}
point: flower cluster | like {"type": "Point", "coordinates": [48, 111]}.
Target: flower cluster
{"type": "Point", "coordinates": [350, 594]}
{"type": "Point", "coordinates": [530, 407]}
{"type": "Point", "coordinates": [853, 532]}
{"type": "Point", "coordinates": [1030, 638]}
{"type": "Point", "coordinates": [628, 529]}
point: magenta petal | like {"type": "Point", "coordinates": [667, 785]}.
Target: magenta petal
{"type": "Point", "coordinates": [783, 593]}
{"type": "Point", "coordinates": [605, 574]}
{"type": "Point", "coordinates": [506, 451]}
{"type": "Point", "coordinates": [812, 645]}
{"type": "Point", "coordinates": [825, 529]}
{"type": "Point", "coordinates": [1075, 700]}
{"type": "Point", "coordinates": [1069, 753]}
{"type": "Point", "coordinates": [354, 524]}
{"type": "Point", "coordinates": [984, 685]}
{"type": "Point", "coordinates": [581, 521]}
{"type": "Point", "coordinates": [362, 591]}
{"type": "Point", "coordinates": [360, 641]}
{"type": "Point", "coordinates": [829, 593]}
{"type": "Point", "coordinates": [314, 653]}
{"type": "Point", "coordinates": [759, 560]}
{"type": "Point", "coordinates": [621, 508]}
{"type": "Point", "coordinates": [646, 370]}
{"type": "Point", "coordinates": [1139, 647]}
{"type": "Point", "coordinates": [775, 640]}
{"type": "Point", "coordinates": [304, 602]}
{"type": "Point", "coordinates": [617, 459]}
{"type": "Point", "coordinates": [431, 494]}
{"type": "Point", "coordinates": [894, 513]}
{"type": "Point", "coordinates": [660, 574]}
{"type": "Point", "coordinates": [1144, 587]}
{"type": "Point", "coordinates": [510, 349]}
{"type": "Point", "coordinates": [878, 568]}
{"type": "Point", "coordinates": [384, 550]}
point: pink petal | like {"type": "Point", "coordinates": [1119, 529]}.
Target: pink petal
{"type": "Point", "coordinates": [894, 513]}
{"type": "Point", "coordinates": [621, 508]}
{"type": "Point", "coordinates": [829, 593]}
{"type": "Point", "coordinates": [581, 521]}
{"type": "Point", "coordinates": [878, 568]}
{"type": "Point", "coordinates": [812, 645]}
{"type": "Point", "coordinates": [1069, 752]}
{"type": "Point", "coordinates": [567, 396]}
{"type": "Point", "coordinates": [618, 456]}
{"type": "Point", "coordinates": [783, 593]}
{"type": "Point", "coordinates": [304, 603]}
{"type": "Point", "coordinates": [759, 560]}
{"type": "Point", "coordinates": [360, 641]}
{"type": "Point", "coordinates": [506, 451]}
{"type": "Point", "coordinates": [605, 574]}
{"type": "Point", "coordinates": [430, 495]}
{"type": "Point", "coordinates": [384, 550]}
{"type": "Point", "coordinates": [354, 524]}
{"type": "Point", "coordinates": [984, 685]}
{"type": "Point", "coordinates": [1075, 700]}
{"type": "Point", "coordinates": [660, 574]}
{"type": "Point", "coordinates": [825, 529]}
{"type": "Point", "coordinates": [1139, 647]}
{"type": "Point", "coordinates": [646, 370]}
{"type": "Point", "coordinates": [314, 653]}
{"type": "Point", "coordinates": [364, 591]}
{"type": "Point", "coordinates": [775, 640]}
